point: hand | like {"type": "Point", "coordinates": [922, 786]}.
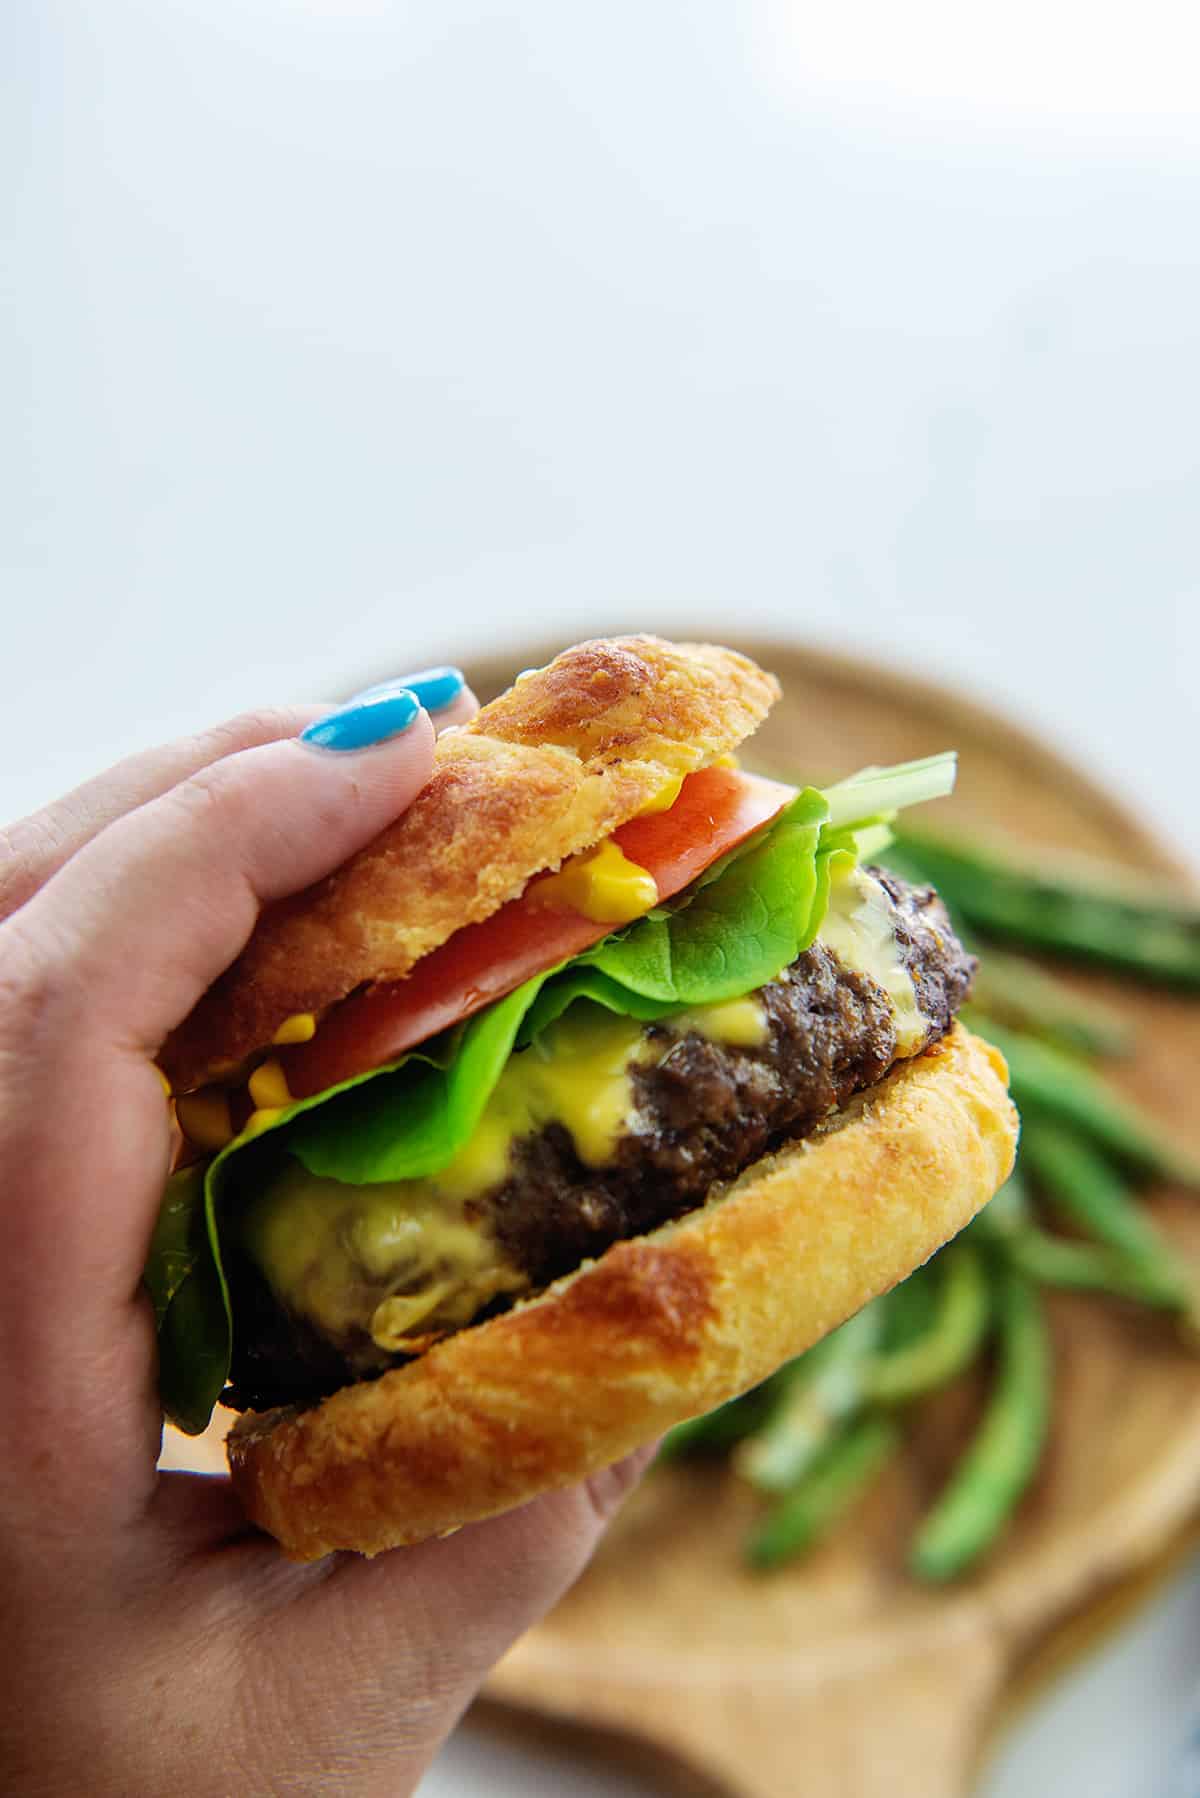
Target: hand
{"type": "Point", "coordinates": [153, 1642]}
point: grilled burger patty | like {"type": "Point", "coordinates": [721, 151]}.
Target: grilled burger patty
{"type": "Point", "coordinates": [704, 1109]}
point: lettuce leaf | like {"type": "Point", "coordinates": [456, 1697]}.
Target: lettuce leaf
{"type": "Point", "coordinates": [731, 934]}
{"type": "Point", "coordinates": [875, 795]}
{"type": "Point", "coordinates": [191, 1303]}
{"type": "Point", "coordinates": [413, 1118]}
{"type": "Point", "coordinates": [733, 930]}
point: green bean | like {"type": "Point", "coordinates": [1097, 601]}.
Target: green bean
{"type": "Point", "coordinates": [1087, 1267]}
{"type": "Point", "coordinates": [906, 1307]}
{"type": "Point", "coordinates": [1120, 923]}
{"type": "Point", "coordinates": [955, 1326]}
{"type": "Point", "coordinates": [1018, 993]}
{"type": "Point", "coordinates": [991, 1477]}
{"type": "Point", "coordinates": [826, 1388]}
{"type": "Point", "coordinates": [1080, 1183]}
{"type": "Point", "coordinates": [843, 1473]}
{"type": "Point", "coordinates": [1007, 1224]}
{"type": "Point", "coordinates": [1046, 1082]}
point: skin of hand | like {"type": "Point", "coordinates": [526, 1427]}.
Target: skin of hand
{"type": "Point", "coordinates": [154, 1642]}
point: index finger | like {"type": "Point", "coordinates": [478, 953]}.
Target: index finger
{"type": "Point", "coordinates": [35, 848]}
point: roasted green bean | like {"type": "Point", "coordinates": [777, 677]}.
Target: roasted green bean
{"type": "Point", "coordinates": [1082, 1185]}
{"type": "Point", "coordinates": [819, 1432]}
{"type": "Point", "coordinates": [1119, 924]}
{"type": "Point", "coordinates": [906, 1308]}
{"type": "Point", "coordinates": [1018, 993]}
{"type": "Point", "coordinates": [849, 1465]}
{"type": "Point", "coordinates": [826, 1386]}
{"type": "Point", "coordinates": [1088, 1267]}
{"type": "Point", "coordinates": [956, 1323]}
{"type": "Point", "coordinates": [991, 1477]}
{"type": "Point", "coordinates": [1047, 1082]}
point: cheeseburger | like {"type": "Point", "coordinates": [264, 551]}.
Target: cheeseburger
{"type": "Point", "coordinates": [605, 1080]}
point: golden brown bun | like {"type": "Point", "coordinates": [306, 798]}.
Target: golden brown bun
{"type": "Point", "coordinates": [658, 1329]}
{"type": "Point", "coordinates": [570, 752]}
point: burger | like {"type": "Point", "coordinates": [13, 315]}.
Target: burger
{"type": "Point", "coordinates": [604, 1081]}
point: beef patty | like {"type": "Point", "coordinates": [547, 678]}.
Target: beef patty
{"type": "Point", "coordinates": [704, 1111]}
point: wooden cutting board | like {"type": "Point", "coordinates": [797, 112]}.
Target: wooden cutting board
{"type": "Point", "coordinates": [839, 1677]}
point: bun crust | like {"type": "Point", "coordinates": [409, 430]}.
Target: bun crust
{"type": "Point", "coordinates": [657, 1329]}
{"type": "Point", "coordinates": [569, 753]}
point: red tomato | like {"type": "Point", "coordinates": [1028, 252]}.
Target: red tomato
{"type": "Point", "coordinates": [717, 808]}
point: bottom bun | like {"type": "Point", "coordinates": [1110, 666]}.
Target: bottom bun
{"type": "Point", "coordinates": [657, 1329]}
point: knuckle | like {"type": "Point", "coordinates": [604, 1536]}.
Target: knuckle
{"type": "Point", "coordinates": [31, 984]}
{"type": "Point", "coordinates": [208, 801]}
{"type": "Point", "coordinates": [607, 1490]}
{"type": "Point", "coordinates": [258, 724]}
{"type": "Point", "coordinates": [30, 851]}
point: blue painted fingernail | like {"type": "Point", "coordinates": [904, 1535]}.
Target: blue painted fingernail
{"type": "Point", "coordinates": [371, 718]}
{"type": "Point", "coordinates": [436, 688]}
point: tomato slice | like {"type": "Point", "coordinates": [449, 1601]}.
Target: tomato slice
{"type": "Point", "coordinates": [717, 809]}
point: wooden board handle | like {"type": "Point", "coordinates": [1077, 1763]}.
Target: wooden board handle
{"type": "Point", "coordinates": [910, 1729]}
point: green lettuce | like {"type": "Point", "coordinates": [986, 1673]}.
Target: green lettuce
{"type": "Point", "coordinates": [733, 930]}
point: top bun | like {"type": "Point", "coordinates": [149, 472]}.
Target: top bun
{"type": "Point", "coordinates": [571, 752]}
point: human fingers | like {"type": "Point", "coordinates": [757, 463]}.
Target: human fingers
{"type": "Point", "coordinates": [371, 1663]}
{"type": "Point", "coordinates": [459, 711]}
{"type": "Point", "coordinates": [34, 848]}
{"type": "Point", "coordinates": [100, 964]}
{"type": "Point", "coordinates": [442, 691]}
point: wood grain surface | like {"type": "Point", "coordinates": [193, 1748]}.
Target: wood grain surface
{"type": "Point", "coordinates": [839, 1677]}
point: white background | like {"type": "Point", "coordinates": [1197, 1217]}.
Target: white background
{"type": "Point", "coordinates": [344, 336]}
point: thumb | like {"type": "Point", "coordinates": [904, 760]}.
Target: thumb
{"type": "Point", "coordinates": [414, 1633]}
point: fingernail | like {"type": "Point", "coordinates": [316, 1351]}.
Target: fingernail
{"type": "Point", "coordinates": [371, 718]}
{"type": "Point", "coordinates": [436, 688]}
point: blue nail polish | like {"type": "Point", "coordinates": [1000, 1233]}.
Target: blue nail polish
{"type": "Point", "coordinates": [371, 718]}
{"type": "Point", "coordinates": [436, 688]}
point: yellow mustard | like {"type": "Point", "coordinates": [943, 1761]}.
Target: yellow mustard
{"type": "Point", "coordinates": [601, 884]}
{"type": "Point", "coordinates": [300, 1028]}
{"type": "Point", "coordinates": [665, 798]}
{"type": "Point", "coordinates": [258, 1120]}
{"type": "Point", "coordinates": [269, 1087]}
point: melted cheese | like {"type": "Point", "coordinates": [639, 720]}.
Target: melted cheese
{"type": "Point", "coordinates": [576, 1074]}
{"type": "Point", "coordinates": [602, 884]}
{"type": "Point", "coordinates": [204, 1118]}
{"type": "Point", "coordinates": [742, 1023]}
{"type": "Point", "coordinates": [406, 1256]}
{"type": "Point", "coordinates": [268, 1087]}
{"type": "Point", "coordinates": [380, 1259]}
{"type": "Point", "coordinates": [860, 928]}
